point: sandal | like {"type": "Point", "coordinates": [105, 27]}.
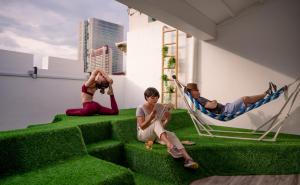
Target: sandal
{"type": "Point", "coordinates": [190, 163]}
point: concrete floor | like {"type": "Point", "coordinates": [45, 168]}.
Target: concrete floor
{"type": "Point", "coordinates": [250, 180]}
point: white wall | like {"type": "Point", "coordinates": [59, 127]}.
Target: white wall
{"type": "Point", "coordinates": [15, 62]}
{"type": "Point", "coordinates": [144, 58]}
{"type": "Point", "coordinates": [25, 100]}
{"type": "Point", "coordinates": [259, 46]}
{"type": "Point", "coordinates": [64, 67]}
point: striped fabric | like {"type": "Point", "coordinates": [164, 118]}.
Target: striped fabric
{"type": "Point", "coordinates": [227, 117]}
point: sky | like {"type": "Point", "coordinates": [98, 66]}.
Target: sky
{"type": "Point", "coordinates": [50, 27]}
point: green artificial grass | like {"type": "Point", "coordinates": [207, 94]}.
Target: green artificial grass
{"type": "Point", "coordinates": [124, 130]}
{"type": "Point", "coordinates": [147, 180]}
{"type": "Point", "coordinates": [108, 150]}
{"type": "Point", "coordinates": [95, 132]}
{"type": "Point", "coordinates": [26, 149]}
{"type": "Point", "coordinates": [237, 157]}
{"type": "Point", "coordinates": [158, 164]}
{"type": "Point", "coordinates": [113, 138]}
{"type": "Point", "coordinates": [216, 156]}
{"type": "Point", "coordinates": [64, 119]}
{"type": "Point", "coordinates": [85, 170]}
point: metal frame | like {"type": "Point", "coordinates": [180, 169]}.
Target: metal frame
{"type": "Point", "coordinates": [274, 122]}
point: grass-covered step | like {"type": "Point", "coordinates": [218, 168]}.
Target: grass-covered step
{"type": "Point", "coordinates": [85, 170]}
{"type": "Point", "coordinates": [91, 131]}
{"type": "Point", "coordinates": [47, 153]}
{"type": "Point", "coordinates": [124, 130]}
{"type": "Point", "coordinates": [141, 179]}
{"type": "Point", "coordinates": [216, 156]}
{"type": "Point", "coordinates": [158, 164]}
{"type": "Point", "coordinates": [220, 156]}
{"type": "Point", "coordinates": [95, 132]}
{"type": "Point", "coordinates": [62, 119]}
{"type": "Point", "coordinates": [109, 150]}
{"type": "Point", "coordinates": [26, 149]}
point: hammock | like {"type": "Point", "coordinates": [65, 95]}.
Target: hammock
{"type": "Point", "coordinates": [204, 129]}
{"type": "Point", "coordinates": [227, 117]}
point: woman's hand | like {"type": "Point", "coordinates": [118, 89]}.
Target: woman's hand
{"type": "Point", "coordinates": [152, 115]}
{"type": "Point", "coordinates": [110, 90]}
{"type": "Point", "coordinates": [110, 81]}
{"type": "Point", "coordinates": [166, 116]}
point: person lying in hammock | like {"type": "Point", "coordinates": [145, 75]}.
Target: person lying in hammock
{"type": "Point", "coordinates": [229, 108]}
{"type": "Point", "coordinates": [98, 80]}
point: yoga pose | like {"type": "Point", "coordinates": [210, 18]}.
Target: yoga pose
{"type": "Point", "coordinates": [98, 80]}
{"type": "Point", "coordinates": [152, 118]}
{"type": "Point", "coordinates": [229, 108]}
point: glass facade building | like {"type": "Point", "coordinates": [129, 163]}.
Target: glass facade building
{"type": "Point", "coordinates": [95, 33]}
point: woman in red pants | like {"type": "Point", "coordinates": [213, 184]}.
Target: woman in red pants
{"type": "Point", "coordinates": [98, 80]}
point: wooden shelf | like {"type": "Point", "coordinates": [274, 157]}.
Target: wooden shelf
{"type": "Point", "coordinates": [170, 80]}
{"type": "Point", "coordinates": [169, 31]}
{"type": "Point", "coordinates": [166, 69]}
{"type": "Point", "coordinates": [172, 43]}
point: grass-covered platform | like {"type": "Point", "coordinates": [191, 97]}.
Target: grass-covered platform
{"type": "Point", "coordinates": [104, 150]}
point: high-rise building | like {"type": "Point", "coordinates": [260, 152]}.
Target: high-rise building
{"type": "Point", "coordinates": [96, 33]}
{"type": "Point", "coordinates": [101, 58]}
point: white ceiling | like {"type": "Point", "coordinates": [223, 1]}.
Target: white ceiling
{"type": "Point", "coordinates": [196, 17]}
{"type": "Point", "coordinates": [221, 10]}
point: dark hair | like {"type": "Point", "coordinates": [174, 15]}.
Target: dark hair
{"type": "Point", "coordinates": [151, 92]}
{"type": "Point", "coordinates": [102, 86]}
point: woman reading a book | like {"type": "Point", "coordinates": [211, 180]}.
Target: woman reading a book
{"type": "Point", "coordinates": [152, 119]}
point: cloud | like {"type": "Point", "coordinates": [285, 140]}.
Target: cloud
{"type": "Point", "coordinates": [51, 27]}
{"type": "Point", "coordinates": [25, 44]}
{"type": "Point", "coordinates": [8, 42]}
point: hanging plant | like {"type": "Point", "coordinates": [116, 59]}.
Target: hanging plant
{"type": "Point", "coordinates": [165, 50]}
{"type": "Point", "coordinates": [171, 62]}
{"type": "Point", "coordinates": [165, 79]}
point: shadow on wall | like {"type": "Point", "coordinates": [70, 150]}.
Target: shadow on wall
{"type": "Point", "coordinates": [267, 34]}
{"type": "Point", "coordinates": [290, 124]}
{"type": "Point", "coordinates": [134, 94]}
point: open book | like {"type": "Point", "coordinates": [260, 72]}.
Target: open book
{"type": "Point", "coordinates": [161, 109]}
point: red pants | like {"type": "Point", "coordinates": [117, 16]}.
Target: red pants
{"type": "Point", "coordinates": [90, 108]}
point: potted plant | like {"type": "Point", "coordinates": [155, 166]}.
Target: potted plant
{"type": "Point", "coordinates": [171, 62]}
{"type": "Point", "coordinates": [170, 90]}
{"type": "Point", "coordinates": [165, 50]}
{"type": "Point", "coordinates": [165, 79]}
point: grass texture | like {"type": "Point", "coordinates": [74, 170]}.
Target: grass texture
{"type": "Point", "coordinates": [72, 150]}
